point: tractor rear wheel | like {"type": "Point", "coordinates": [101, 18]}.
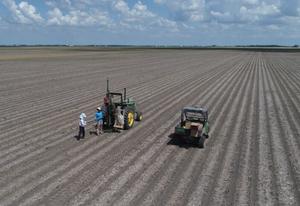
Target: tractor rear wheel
{"type": "Point", "coordinates": [128, 118]}
{"type": "Point", "coordinates": [200, 141]}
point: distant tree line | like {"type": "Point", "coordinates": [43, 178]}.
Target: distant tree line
{"type": "Point", "coordinates": [152, 46]}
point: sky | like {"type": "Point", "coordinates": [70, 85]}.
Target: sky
{"type": "Point", "coordinates": [150, 22]}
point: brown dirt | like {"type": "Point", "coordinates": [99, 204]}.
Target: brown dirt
{"type": "Point", "coordinates": [251, 157]}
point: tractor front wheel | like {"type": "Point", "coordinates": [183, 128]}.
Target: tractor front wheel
{"type": "Point", "coordinates": [138, 116]}
{"type": "Point", "coordinates": [128, 119]}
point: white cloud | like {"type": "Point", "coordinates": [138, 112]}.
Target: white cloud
{"type": "Point", "coordinates": [1, 21]}
{"type": "Point", "coordinates": [273, 27]}
{"type": "Point", "coordinates": [78, 13]}
{"type": "Point", "coordinates": [292, 21]}
{"type": "Point", "coordinates": [116, 12]}
{"type": "Point", "coordinates": [243, 12]}
{"type": "Point", "coordinates": [137, 13]}
{"type": "Point", "coordinates": [30, 12]}
{"type": "Point", "coordinates": [259, 12]}
{"type": "Point", "coordinates": [78, 18]}
{"type": "Point", "coordinates": [121, 6]}
{"type": "Point", "coordinates": [185, 10]}
{"type": "Point", "coordinates": [266, 10]}
{"type": "Point", "coordinates": [78, 4]}
{"type": "Point", "coordinates": [251, 2]}
{"type": "Point", "coordinates": [183, 16]}
{"type": "Point", "coordinates": [17, 14]}
{"type": "Point", "coordinates": [56, 3]}
{"type": "Point", "coordinates": [23, 12]}
{"type": "Point", "coordinates": [222, 17]}
{"type": "Point", "coordinates": [140, 17]}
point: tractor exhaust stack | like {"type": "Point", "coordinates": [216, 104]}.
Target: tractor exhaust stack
{"type": "Point", "coordinates": [124, 94]}
{"type": "Point", "coordinates": [107, 85]}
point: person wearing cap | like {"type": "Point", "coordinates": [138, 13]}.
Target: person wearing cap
{"type": "Point", "coordinates": [82, 124]}
{"type": "Point", "coordinates": [99, 116]}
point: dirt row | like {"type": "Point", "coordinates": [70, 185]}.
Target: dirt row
{"type": "Point", "coordinates": [251, 157]}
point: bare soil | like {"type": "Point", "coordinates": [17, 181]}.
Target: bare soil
{"type": "Point", "coordinates": [251, 157]}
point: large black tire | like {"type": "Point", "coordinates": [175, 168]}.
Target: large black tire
{"type": "Point", "coordinates": [200, 141]}
{"type": "Point", "coordinates": [138, 116]}
{"type": "Point", "coordinates": [128, 118]}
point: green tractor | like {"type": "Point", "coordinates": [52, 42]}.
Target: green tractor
{"type": "Point", "coordinates": [193, 125]}
{"type": "Point", "coordinates": [120, 112]}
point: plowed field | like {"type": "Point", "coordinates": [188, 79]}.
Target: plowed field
{"type": "Point", "coordinates": [251, 158]}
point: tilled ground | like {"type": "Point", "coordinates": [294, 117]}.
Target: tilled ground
{"type": "Point", "coordinates": [251, 157]}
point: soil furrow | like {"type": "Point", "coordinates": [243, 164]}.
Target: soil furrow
{"type": "Point", "coordinates": [213, 161]}
{"type": "Point", "coordinates": [220, 171]}
{"type": "Point", "coordinates": [286, 177]}
{"type": "Point", "coordinates": [266, 186]}
{"type": "Point", "coordinates": [179, 194]}
{"type": "Point", "coordinates": [244, 192]}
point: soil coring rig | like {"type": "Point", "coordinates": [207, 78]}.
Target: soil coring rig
{"type": "Point", "coordinates": [120, 112]}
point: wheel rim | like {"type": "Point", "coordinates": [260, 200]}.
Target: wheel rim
{"type": "Point", "coordinates": [130, 119]}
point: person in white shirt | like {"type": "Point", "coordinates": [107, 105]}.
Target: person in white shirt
{"type": "Point", "coordinates": [82, 124]}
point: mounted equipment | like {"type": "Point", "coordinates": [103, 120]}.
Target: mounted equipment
{"type": "Point", "coordinates": [193, 125]}
{"type": "Point", "coordinates": [120, 112]}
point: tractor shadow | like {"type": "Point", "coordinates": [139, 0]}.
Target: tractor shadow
{"type": "Point", "coordinates": [180, 142]}
{"type": "Point", "coordinates": [105, 131]}
{"type": "Point", "coordinates": [92, 133]}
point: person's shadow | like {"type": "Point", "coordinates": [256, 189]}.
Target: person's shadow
{"type": "Point", "coordinates": [76, 137]}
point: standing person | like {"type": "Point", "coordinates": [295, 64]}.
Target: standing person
{"type": "Point", "coordinates": [99, 121]}
{"type": "Point", "coordinates": [82, 124]}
